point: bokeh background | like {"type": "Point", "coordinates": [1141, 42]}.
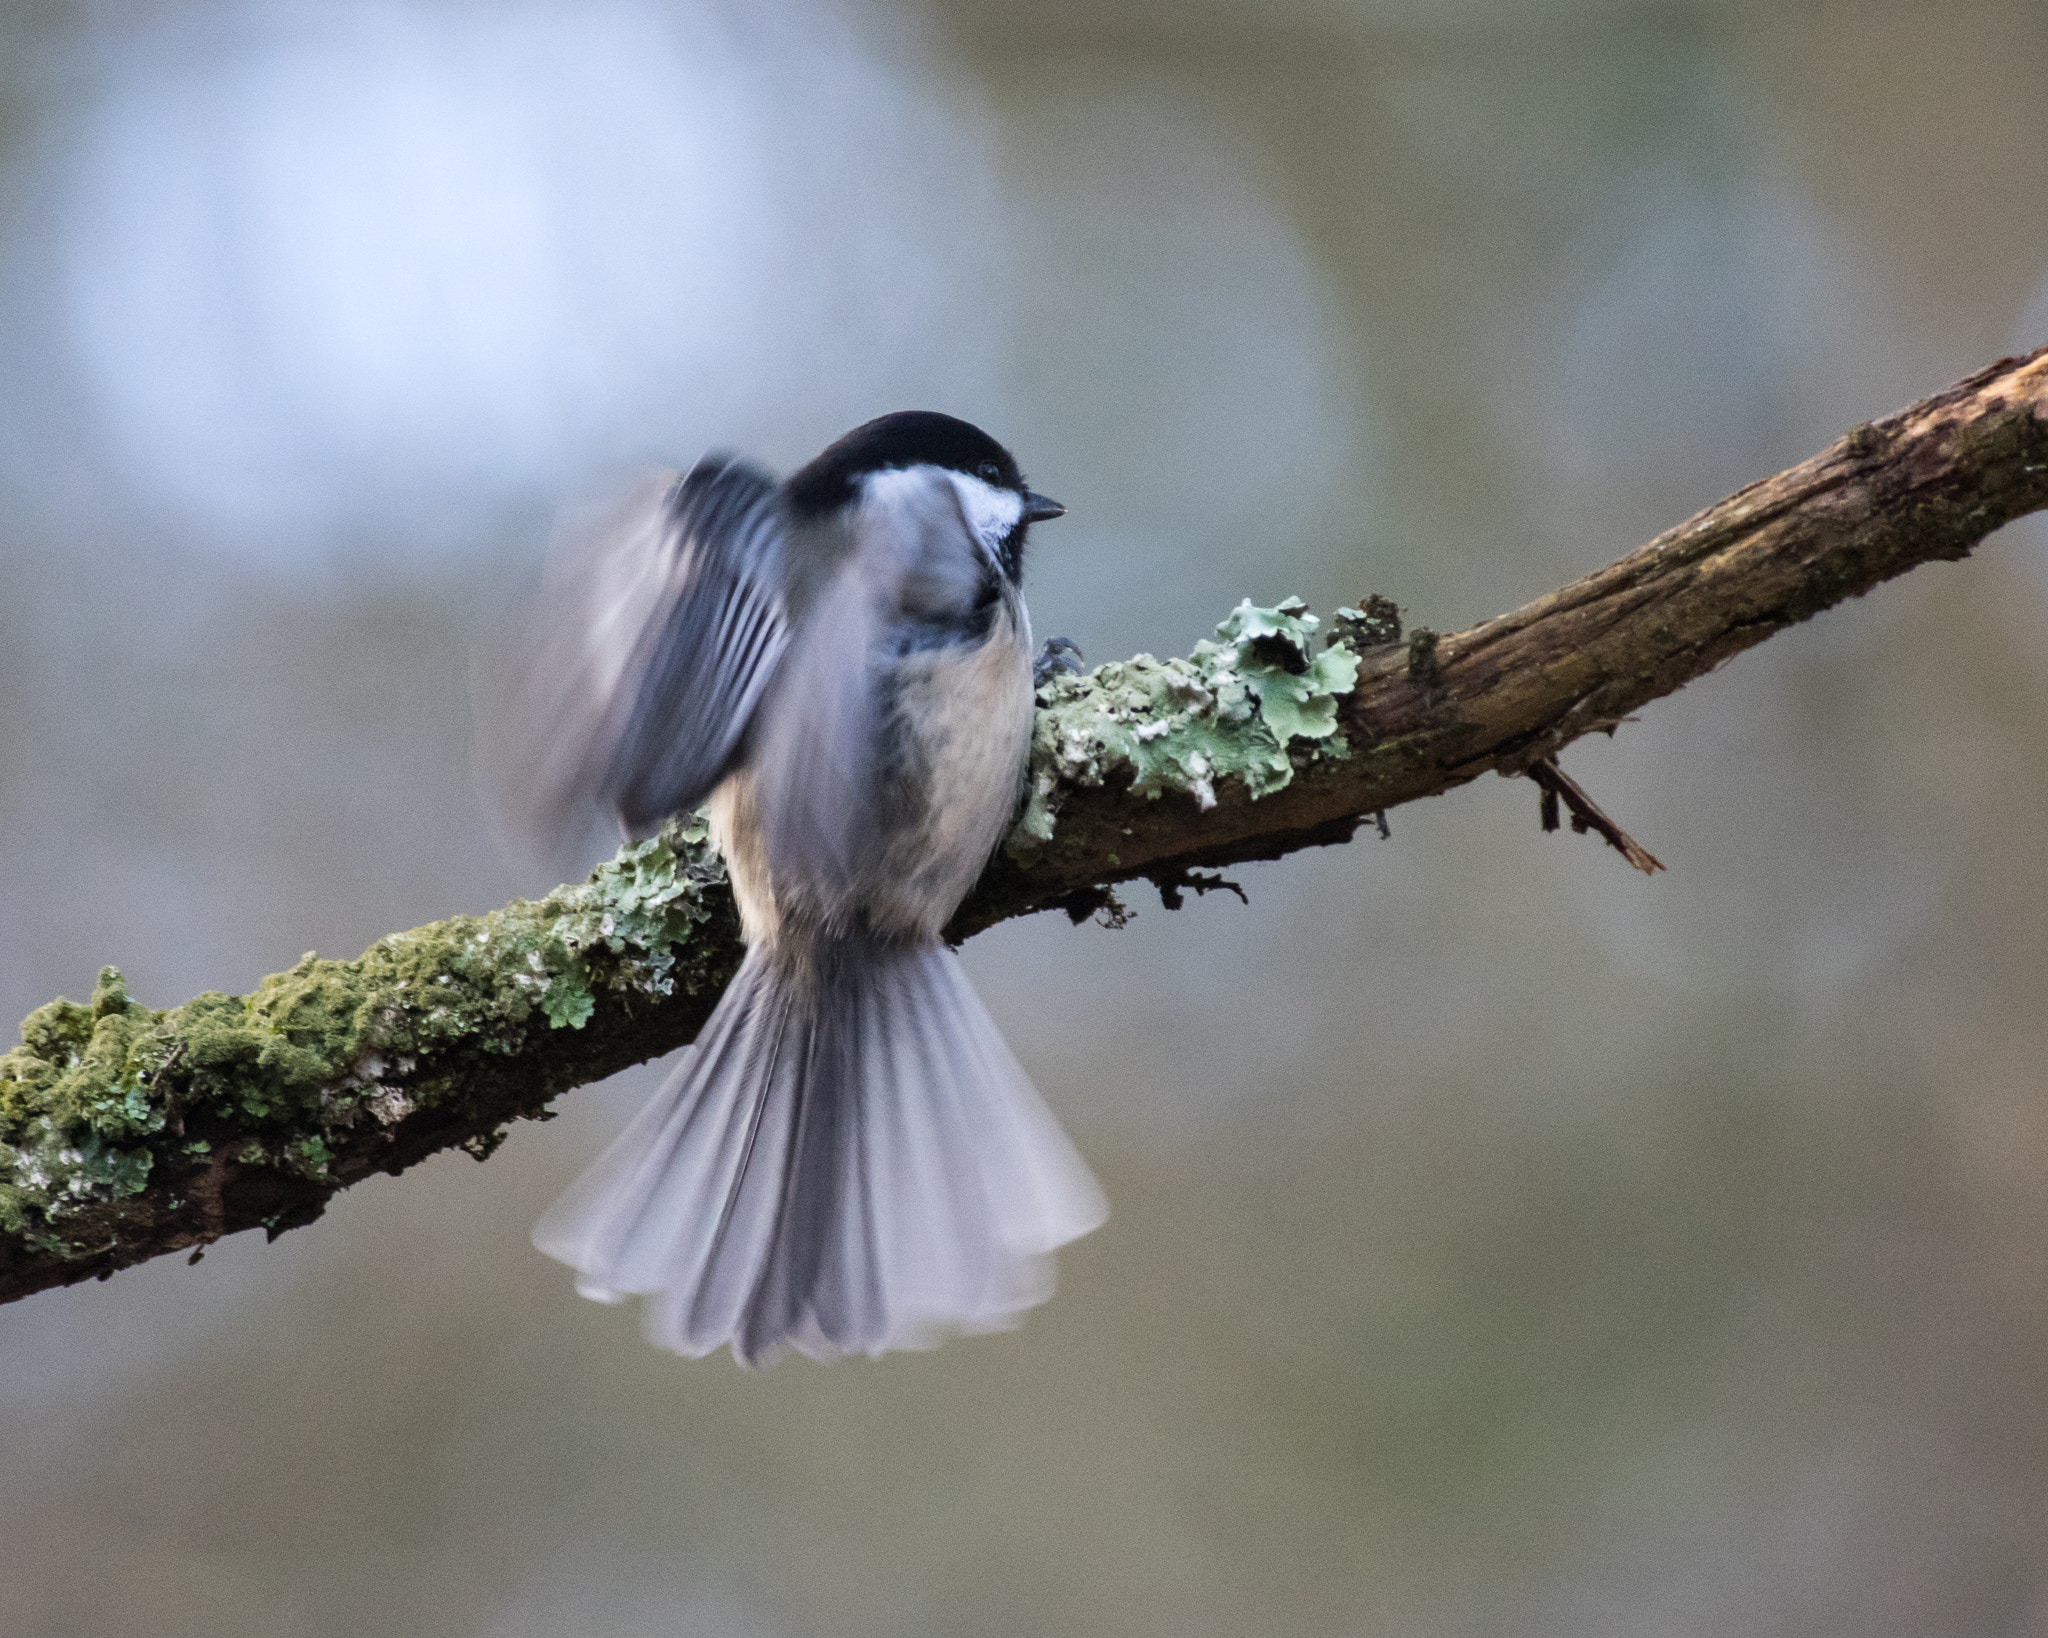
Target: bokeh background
{"type": "Point", "coordinates": [1503, 1243]}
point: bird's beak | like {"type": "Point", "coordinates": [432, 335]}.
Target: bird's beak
{"type": "Point", "coordinates": [1037, 507]}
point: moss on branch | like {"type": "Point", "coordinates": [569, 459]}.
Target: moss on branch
{"type": "Point", "coordinates": [124, 1129]}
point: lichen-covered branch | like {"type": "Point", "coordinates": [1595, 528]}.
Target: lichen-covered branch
{"type": "Point", "coordinates": [1435, 711]}
{"type": "Point", "coordinates": [126, 1133]}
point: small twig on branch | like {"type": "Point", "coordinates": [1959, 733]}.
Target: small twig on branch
{"type": "Point", "coordinates": [1557, 785]}
{"type": "Point", "coordinates": [1174, 884]}
{"type": "Point", "coordinates": [126, 1133]}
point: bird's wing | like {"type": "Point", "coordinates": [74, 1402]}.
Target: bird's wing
{"type": "Point", "coordinates": [634, 673]}
{"type": "Point", "coordinates": [832, 761]}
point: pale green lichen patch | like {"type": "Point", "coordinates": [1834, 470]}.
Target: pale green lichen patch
{"type": "Point", "coordinates": [98, 1096]}
{"type": "Point", "coordinates": [1244, 707]}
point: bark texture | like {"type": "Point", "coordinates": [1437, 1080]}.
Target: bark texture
{"type": "Point", "coordinates": [126, 1133]}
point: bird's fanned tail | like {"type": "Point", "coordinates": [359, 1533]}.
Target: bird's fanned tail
{"type": "Point", "coordinates": [849, 1160]}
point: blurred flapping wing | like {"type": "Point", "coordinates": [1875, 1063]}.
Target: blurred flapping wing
{"type": "Point", "coordinates": [630, 680]}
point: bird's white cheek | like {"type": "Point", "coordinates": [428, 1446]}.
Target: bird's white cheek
{"type": "Point", "coordinates": [991, 512]}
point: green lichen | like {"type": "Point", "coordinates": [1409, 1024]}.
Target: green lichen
{"type": "Point", "coordinates": [1245, 707]}
{"type": "Point", "coordinates": [98, 1096]}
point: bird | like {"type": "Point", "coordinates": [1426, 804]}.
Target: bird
{"type": "Point", "coordinates": [838, 669]}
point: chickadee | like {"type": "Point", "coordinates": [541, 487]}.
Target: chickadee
{"type": "Point", "coordinates": [849, 1159]}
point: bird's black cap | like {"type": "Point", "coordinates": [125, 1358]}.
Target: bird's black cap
{"type": "Point", "coordinates": [907, 438]}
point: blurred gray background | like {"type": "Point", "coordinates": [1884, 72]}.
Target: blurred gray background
{"type": "Point", "coordinates": [1502, 1243]}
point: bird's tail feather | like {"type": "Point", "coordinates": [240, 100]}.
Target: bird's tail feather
{"type": "Point", "coordinates": [849, 1160]}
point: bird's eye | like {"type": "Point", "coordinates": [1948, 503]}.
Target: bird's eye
{"type": "Point", "coordinates": [990, 473]}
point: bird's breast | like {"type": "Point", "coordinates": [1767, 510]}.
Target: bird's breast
{"type": "Point", "coordinates": [960, 722]}
{"type": "Point", "coordinates": [879, 817]}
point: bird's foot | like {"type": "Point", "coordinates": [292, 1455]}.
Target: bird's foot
{"type": "Point", "coordinates": [1060, 657]}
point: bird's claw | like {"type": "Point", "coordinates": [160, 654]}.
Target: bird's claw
{"type": "Point", "coordinates": [1059, 657]}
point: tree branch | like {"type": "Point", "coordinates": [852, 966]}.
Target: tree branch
{"type": "Point", "coordinates": [127, 1133]}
